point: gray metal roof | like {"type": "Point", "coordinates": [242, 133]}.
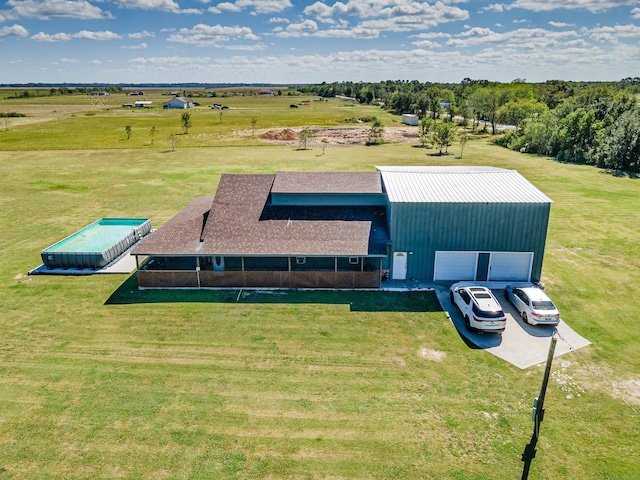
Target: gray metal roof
{"type": "Point", "coordinates": [458, 184]}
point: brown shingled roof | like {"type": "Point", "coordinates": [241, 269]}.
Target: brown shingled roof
{"type": "Point", "coordinates": [327, 182]}
{"type": "Point", "coordinates": [239, 221]}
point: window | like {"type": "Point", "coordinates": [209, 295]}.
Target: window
{"type": "Point", "coordinates": [301, 260]}
{"type": "Point", "coordinates": [354, 260]}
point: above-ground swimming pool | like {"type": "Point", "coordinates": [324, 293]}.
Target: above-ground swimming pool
{"type": "Point", "coordinates": [96, 245]}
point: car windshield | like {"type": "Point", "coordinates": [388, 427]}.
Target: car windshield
{"type": "Point", "coordinates": [543, 305]}
{"type": "Point", "coordinates": [487, 313]}
{"type": "Point", "coordinates": [481, 295]}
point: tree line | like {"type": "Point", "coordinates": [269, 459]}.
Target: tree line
{"type": "Point", "coordinates": [595, 123]}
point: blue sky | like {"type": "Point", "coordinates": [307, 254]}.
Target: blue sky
{"type": "Point", "coordinates": [308, 41]}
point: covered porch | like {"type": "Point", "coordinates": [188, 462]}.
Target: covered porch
{"type": "Point", "coordinates": [336, 272]}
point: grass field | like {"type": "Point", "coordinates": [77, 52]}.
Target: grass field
{"type": "Point", "coordinates": [100, 380]}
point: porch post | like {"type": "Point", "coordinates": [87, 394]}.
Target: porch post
{"type": "Point", "coordinates": [198, 271]}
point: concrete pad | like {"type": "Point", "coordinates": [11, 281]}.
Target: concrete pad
{"type": "Point", "coordinates": [125, 263]}
{"type": "Point", "coordinates": [520, 344]}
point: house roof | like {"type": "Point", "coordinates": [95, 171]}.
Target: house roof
{"type": "Point", "coordinates": [327, 182]}
{"type": "Point", "coordinates": [239, 220]}
{"type": "Point", "coordinates": [458, 184]}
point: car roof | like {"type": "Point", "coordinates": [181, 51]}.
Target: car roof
{"type": "Point", "coordinates": [484, 298]}
{"type": "Point", "coordinates": [534, 293]}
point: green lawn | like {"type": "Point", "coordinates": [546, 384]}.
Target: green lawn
{"type": "Point", "coordinates": [100, 380]}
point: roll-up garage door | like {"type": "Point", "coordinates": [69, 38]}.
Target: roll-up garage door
{"type": "Point", "coordinates": [455, 266]}
{"type": "Point", "coordinates": [510, 266]}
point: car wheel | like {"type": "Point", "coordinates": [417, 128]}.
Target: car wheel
{"type": "Point", "coordinates": [467, 323]}
{"type": "Point", "coordinates": [506, 294]}
{"type": "Point", "coordinates": [524, 317]}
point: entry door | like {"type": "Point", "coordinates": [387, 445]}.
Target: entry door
{"type": "Point", "coordinates": [399, 266]}
{"type": "Point", "coordinates": [482, 273]}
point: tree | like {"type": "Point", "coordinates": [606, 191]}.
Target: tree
{"type": "Point", "coordinates": [376, 132]}
{"type": "Point", "coordinates": [433, 100]}
{"type": "Point", "coordinates": [463, 139]}
{"type": "Point", "coordinates": [186, 121]}
{"type": "Point", "coordinates": [324, 141]}
{"type": "Point", "coordinates": [425, 127]}
{"type": "Point", "coordinates": [304, 136]}
{"type": "Point", "coordinates": [254, 121]}
{"type": "Point", "coordinates": [443, 135]}
{"type": "Point", "coordinates": [152, 133]}
{"type": "Point", "coordinates": [172, 141]}
{"type": "Point", "coordinates": [515, 111]}
{"type": "Point", "coordinates": [621, 147]}
{"type": "Point", "coordinates": [127, 130]}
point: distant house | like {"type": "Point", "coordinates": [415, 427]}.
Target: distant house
{"type": "Point", "coordinates": [99, 94]}
{"type": "Point", "coordinates": [137, 93]}
{"type": "Point", "coordinates": [409, 119]}
{"type": "Point", "coordinates": [143, 104]}
{"type": "Point", "coordinates": [267, 92]}
{"type": "Point", "coordinates": [180, 102]}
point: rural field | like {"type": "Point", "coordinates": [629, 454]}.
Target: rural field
{"type": "Point", "coordinates": [99, 380]}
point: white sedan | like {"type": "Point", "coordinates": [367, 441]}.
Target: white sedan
{"type": "Point", "coordinates": [533, 305]}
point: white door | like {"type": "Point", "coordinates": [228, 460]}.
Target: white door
{"type": "Point", "coordinates": [455, 266]}
{"type": "Point", "coordinates": [399, 271]}
{"type": "Point", "coordinates": [510, 266]}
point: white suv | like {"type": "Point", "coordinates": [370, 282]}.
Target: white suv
{"type": "Point", "coordinates": [480, 309]}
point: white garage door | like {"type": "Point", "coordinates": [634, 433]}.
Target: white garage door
{"type": "Point", "coordinates": [510, 266]}
{"type": "Point", "coordinates": [455, 266]}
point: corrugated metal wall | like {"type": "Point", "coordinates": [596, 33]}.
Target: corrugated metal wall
{"type": "Point", "coordinates": [424, 228]}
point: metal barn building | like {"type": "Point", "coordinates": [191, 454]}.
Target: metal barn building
{"type": "Point", "coordinates": [464, 223]}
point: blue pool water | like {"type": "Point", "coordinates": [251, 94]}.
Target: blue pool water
{"type": "Point", "coordinates": [96, 244]}
{"type": "Point", "coordinates": [98, 236]}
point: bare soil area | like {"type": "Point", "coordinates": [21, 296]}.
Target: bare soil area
{"type": "Point", "coordinates": [341, 136]}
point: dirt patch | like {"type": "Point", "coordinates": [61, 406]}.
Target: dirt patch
{"type": "Point", "coordinates": [433, 355]}
{"type": "Point", "coordinates": [286, 135]}
{"type": "Point", "coordinates": [342, 136]}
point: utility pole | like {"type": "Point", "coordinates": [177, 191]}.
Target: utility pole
{"type": "Point", "coordinates": [538, 412]}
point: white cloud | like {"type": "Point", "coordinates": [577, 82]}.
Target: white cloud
{"type": "Point", "coordinates": [305, 28]}
{"type": "Point", "coordinates": [56, 37]}
{"type": "Point", "coordinates": [13, 31]}
{"type": "Point", "coordinates": [83, 34]}
{"type": "Point", "coordinates": [256, 6]}
{"type": "Point", "coordinates": [46, 9]}
{"type": "Point", "coordinates": [170, 61]}
{"type": "Point", "coordinates": [561, 24]}
{"type": "Point", "coordinates": [523, 38]}
{"type": "Point", "coordinates": [590, 5]}
{"type": "Point", "coordinates": [143, 34]}
{"type": "Point", "coordinates": [228, 7]}
{"type": "Point", "coordinates": [100, 36]}
{"type": "Point", "coordinates": [496, 8]}
{"type": "Point", "coordinates": [426, 44]}
{"type": "Point", "coordinates": [635, 13]}
{"type": "Point", "coordinates": [141, 46]}
{"type": "Point", "coordinates": [279, 20]}
{"type": "Point", "coordinates": [166, 5]}
{"type": "Point", "coordinates": [429, 35]}
{"type": "Point", "coordinates": [212, 35]}
{"type": "Point", "coordinates": [614, 34]}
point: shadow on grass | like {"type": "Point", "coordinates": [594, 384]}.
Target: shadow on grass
{"type": "Point", "coordinates": [358, 301]}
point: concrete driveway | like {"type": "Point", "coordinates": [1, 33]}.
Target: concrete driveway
{"type": "Point", "coordinates": [521, 344]}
